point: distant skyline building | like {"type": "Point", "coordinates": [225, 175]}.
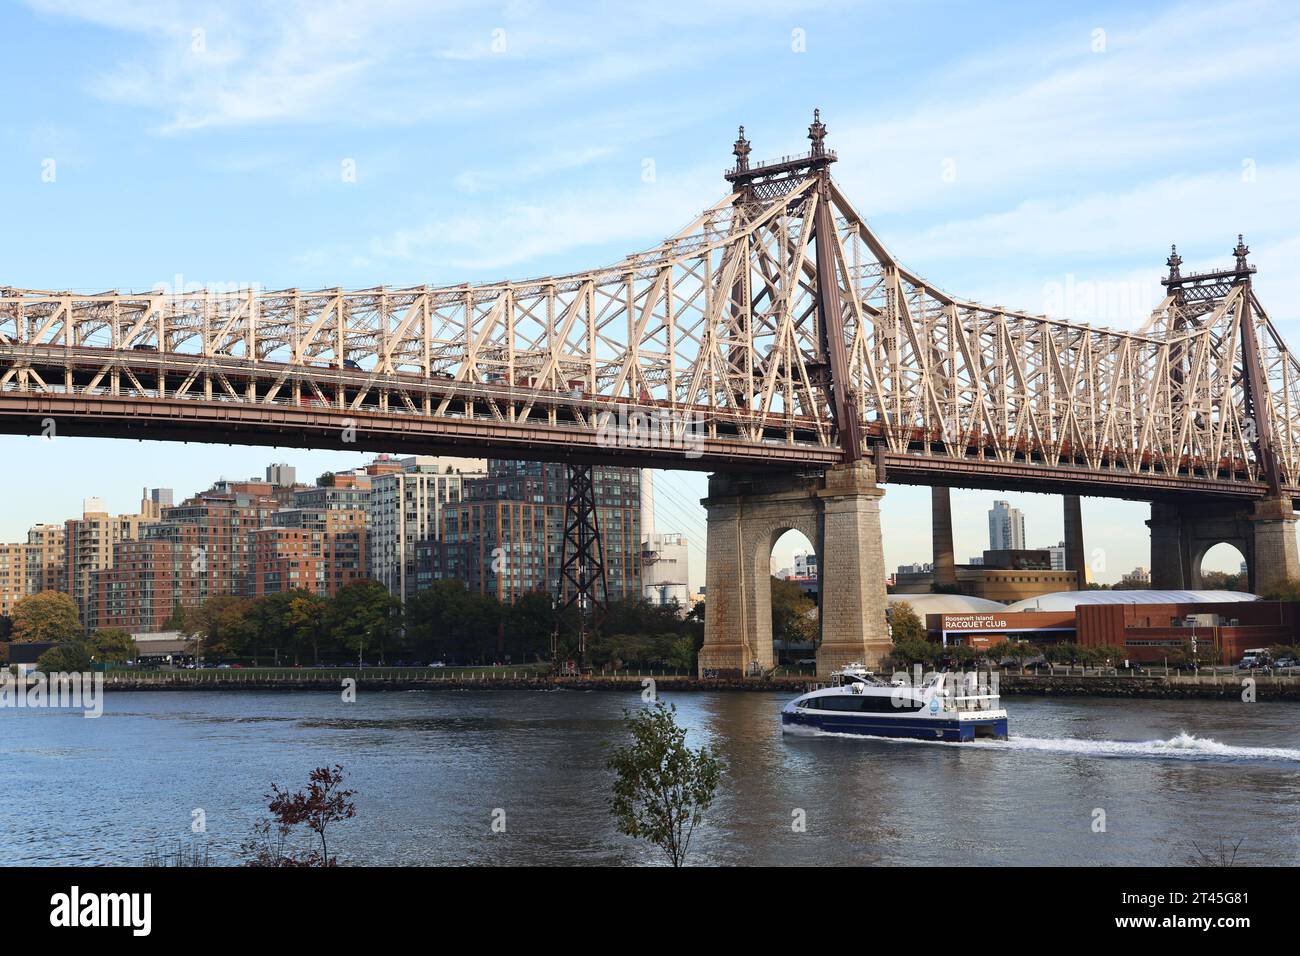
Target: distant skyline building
{"type": "Point", "coordinates": [282, 475]}
{"type": "Point", "coordinates": [1006, 527]}
{"type": "Point", "coordinates": [1057, 555]}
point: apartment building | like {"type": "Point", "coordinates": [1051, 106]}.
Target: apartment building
{"type": "Point", "coordinates": [407, 500]}
{"type": "Point", "coordinates": [89, 543]}
{"type": "Point", "coordinates": [149, 580]}
{"type": "Point", "coordinates": [320, 544]}
{"type": "Point", "coordinates": [31, 566]}
{"type": "Point", "coordinates": [506, 534]}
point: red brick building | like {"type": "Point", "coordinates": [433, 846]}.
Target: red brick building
{"type": "Point", "coordinates": [287, 558]}
{"type": "Point", "coordinates": [149, 579]}
{"type": "Point", "coordinates": [1149, 631]}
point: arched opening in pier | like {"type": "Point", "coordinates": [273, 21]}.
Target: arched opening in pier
{"type": "Point", "coordinates": [794, 597]}
{"type": "Point", "coordinates": [1223, 568]}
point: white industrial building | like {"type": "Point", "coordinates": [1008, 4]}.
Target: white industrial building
{"type": "Point", "coordinates": [665, 558]}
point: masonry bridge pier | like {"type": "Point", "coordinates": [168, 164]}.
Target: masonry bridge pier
{"type": "Point", "coordinates": [1182, 531]}
{"type": "Point", "coordinates": [839, 512]}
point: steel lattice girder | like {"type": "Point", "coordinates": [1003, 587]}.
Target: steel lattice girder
{"type": "Point", "coordinates": [715, 330]}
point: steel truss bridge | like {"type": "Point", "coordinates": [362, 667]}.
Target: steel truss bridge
{"type": "Point", "coordinates": [776, 331]}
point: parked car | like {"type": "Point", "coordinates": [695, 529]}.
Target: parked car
{"type": "Point", "coordinates": [1287, 662]}
{"type": "Point", "coordinates": [437, 664]}
{"type": "Point", "coordinates": [807, 662]}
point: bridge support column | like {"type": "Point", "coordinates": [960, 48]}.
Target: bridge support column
{"type": "Point", "coordinates": [1075, 559]}
{"type": "Point", "coordinates": [945, 563]}
{"type": "Point", "coordinates": [730, 641]}
{"type": "Point", "coordinates": [839, 513]}
{"type": "Point", "coordinates": [1169, 571]}
{"type": "Point", "coordinates": [852, 565]}
{"type": "Point", "coordinates": [1275, 560]}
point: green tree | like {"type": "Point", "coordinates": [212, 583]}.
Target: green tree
{"type": "Point", "coordinates": [528, 624]}
{"type": "Point", "coordinates": [364, 617]}
{"type": "Point", "coordinates": [677, 651]}
{"type": "Point", "coordinates": [792, 619]}
{"type": "Point", "coordinates": [222, 626]}
{"type": "Point", "coordinates": [271, 624]}
{"type": "Point", "coordinates": [663, 788]}
{"type": "Point", "coordinates": [1288, 590]}
{"type": "Point", "coordinates": [904, 624]}
{"type": "Point", "coordinates": [50, 616]}
{"type": "Point", "coordinates": [1018, 651]}
{"type": "Point", "coordinates": [911, 651]}
{"type": "Point", "coordinates": [447, 620]}
{"type": "Point", "coordinates": [1110, 655]}
{"type": "Point", "coordinates": [181, 618]}
{"type": "Point", "coordinates": [308, 617]}
{"type": "Point", "coordinates": [66, 658]}
{"type": "Point", "coordinates": [113, 645]}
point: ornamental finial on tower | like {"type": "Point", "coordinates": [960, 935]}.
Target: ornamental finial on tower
{"type": "Point", "coordinates": [741, 152]}
{"type": "Point", "coordinates": [817, 133]}
{"type": "Point", "coordinates": [1241, 252]}
{"type": "Point", "coordinates": [1173, 262]}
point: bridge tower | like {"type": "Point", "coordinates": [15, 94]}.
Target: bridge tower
{"type": "Point", "coordinates": [1184, 528]}
{"type": "Point", "coordinates": [838, 508]}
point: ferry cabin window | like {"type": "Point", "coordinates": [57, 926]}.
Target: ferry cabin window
{"type": "Point", "coordinates": [871, 705]}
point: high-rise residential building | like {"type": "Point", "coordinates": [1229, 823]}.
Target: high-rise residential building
{"type": "Point", "coordinates": [320, 544]}
{"type": "Point", "coordinates": [506, 535]}
{"type": "Point", "coordinates": [31, 566]}
{"type": "Point", "coordinates": [214, 529]}
{"type": "Point", "coordinates": [47, 568]}
{"type": "Point", "coordinates": [1006, 527]}
{"type": "Point", "coordinates": [89, 543]}
{"type": "Point", "coordinates": [13, 576]}
{"type": "Point", "coordinates": [406, 503]}
{"type": "Point", "coordinates": [288, 558]}
{"type": "Point", "coordinates": [149, 580]}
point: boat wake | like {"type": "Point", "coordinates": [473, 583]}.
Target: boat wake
{"type": "Point", "coordinates": [1184, 746]}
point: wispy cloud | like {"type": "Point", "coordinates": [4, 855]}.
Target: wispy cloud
{"type": "Point", "coordinates": [1169, 92]}
{"type": "Point", "coordinates": [387, 62]}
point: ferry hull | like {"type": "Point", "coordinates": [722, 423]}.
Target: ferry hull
{"type": "Point", "coordinates": [913, 728]}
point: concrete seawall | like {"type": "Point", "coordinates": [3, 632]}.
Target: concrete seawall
{"type": "Point", "coordinates": [1226, 687]}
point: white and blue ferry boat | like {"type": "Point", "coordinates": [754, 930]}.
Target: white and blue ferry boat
{"type": "Point", "coordinates": [858, 702]}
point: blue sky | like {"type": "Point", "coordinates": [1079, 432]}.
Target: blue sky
{"type": "Point", "coordinates": [1040, 156]}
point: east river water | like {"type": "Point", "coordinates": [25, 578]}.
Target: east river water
{"type": "Point", "coordinates": [432, 768]}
